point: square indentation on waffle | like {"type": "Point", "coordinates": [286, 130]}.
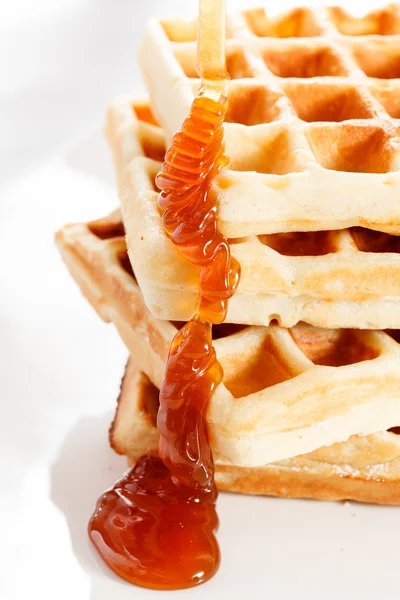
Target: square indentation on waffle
{"type": "Point", "coordinates": [356, 148]}
{"type": "Point", "coordinates": [384, 21]}
{"type": "Point", "coordinates": [299, 22]}
{"type": "Point", "coordinates": [303, 61]}
{"type": "Point", "coordinates": [253, 102]}
{"type": "Point", "coordinates": [314, 243]}
{"type": "Point", "coordinates": [329, 101]}
{"type": "Point", "coordinates": [388, 95]}
{"type": "Point", "coordinates": [335, 347]}
{"type": "Point", "coordinates": [380, 58]}
{"type": "Point", "coordinates": [348, 277]}
{"type": "Point", "coordinates": [286, 391]}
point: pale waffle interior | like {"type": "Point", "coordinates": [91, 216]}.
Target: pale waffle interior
{"type": "Point", "coordinates": [346, 278]}
{"type": "Point", "coordinates": [284, 392]}
{"type": "Point", "coordinates": [365, 468]}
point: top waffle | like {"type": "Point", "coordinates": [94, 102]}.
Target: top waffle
{"type": "Point", "coordinates": [313, 132]}
{"type": "Point", "coordinates": [347, 278]}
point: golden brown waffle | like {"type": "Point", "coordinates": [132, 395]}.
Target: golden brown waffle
{"type": "Point", "coordinates": [347, 278]}
{"type": "Point", "coordinates": [366, 468]}
{"type": "Point", "coordinates": [284, 392]}
{"type": "Point", "coordinates": [312, 129]}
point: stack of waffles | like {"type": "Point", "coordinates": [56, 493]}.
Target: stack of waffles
{"type": "Point", "coordinates": [310, 401]}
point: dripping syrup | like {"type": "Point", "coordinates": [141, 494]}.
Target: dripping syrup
{"type": "Point", "coordinates": [155, 527]}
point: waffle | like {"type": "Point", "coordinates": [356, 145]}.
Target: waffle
{"type": "Point", "coordinates": [346, 278]}
{"type": "Point", "coordinates": [284, 392]}
{"type": "Point", "coordinates": [314, 102]}
{"type": "Point", "coordinates": [366, 469]}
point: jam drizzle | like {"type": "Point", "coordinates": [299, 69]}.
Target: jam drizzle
{"type": "Point", "coordinates": [156, 526]}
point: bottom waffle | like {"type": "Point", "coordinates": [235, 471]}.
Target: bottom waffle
{"type": "Point", "coordinates": [284, 393]}
{"type": "Point", "coordinates": [365, 469]}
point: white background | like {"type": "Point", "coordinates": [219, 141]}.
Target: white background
{"type": "Point", "coordinates": [61, 62]}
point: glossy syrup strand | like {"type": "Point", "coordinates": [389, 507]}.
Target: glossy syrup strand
{"type": "Point", "coordinates": [189, 210]}
{"type": "Point", "coordinates": [156, 526]}
{"type": "Point", "coordinates": [191, 376]}
{"type": "Point", "coordinates": [189, 217]}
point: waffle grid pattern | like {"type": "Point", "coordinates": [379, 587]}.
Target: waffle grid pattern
{"type": "Point", "coordinates": [306, 123]}
{"type": "Point", "coordinates": [287, 57]}
{"type": "Point", "coordinates": [345, 278]}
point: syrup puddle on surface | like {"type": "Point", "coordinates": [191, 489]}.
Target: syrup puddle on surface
{"type": "Point", "coordinates": [154, 532]}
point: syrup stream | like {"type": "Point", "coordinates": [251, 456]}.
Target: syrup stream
{"type": "Point", "coordinates": [156, 526]}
